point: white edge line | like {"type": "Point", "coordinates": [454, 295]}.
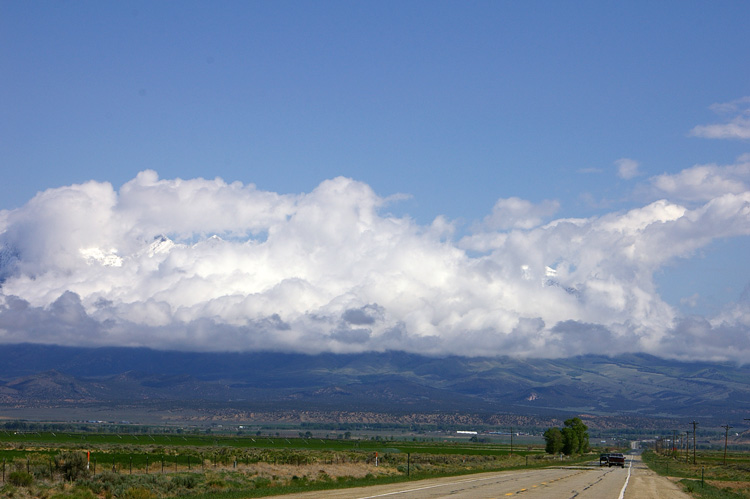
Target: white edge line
{"type": "Point", "coordinates": [622, 492]}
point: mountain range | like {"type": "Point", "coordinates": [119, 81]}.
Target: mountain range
{"type": "Point", "coordinates": [621, 387]}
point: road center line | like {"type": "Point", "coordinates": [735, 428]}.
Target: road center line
{"type": "Point", "coordinates": [622, 492]}
{"type": "Point", "coordinates": [468, 480]}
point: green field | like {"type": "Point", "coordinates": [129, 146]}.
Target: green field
{"type": "Point", "coordinates": [225, 465]}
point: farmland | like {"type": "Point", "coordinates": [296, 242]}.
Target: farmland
{"type": "Point", "coordinates": [143, 462]}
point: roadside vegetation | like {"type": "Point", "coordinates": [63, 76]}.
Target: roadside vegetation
{"type": "Point", "coordinates": [572, 438]}
{"type": "Point", "coordinates": [52, 465]}
{"type": "Point", "coordinates": [709, 477]}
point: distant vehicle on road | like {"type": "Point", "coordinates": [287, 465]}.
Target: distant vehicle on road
{"type": "Point", "coordinates": [612, 459]}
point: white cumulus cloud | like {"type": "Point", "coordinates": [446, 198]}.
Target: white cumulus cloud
{"type": "Point", "coordinates": [705, 182]}
{"type": "Point", "coordinates": [207, 265]}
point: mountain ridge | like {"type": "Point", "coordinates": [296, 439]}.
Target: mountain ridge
{"type": "Point", "coordinates": [627, 385]}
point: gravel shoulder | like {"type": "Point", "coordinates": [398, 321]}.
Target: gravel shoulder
{"type": "Point", "coordinates": [645, 484]}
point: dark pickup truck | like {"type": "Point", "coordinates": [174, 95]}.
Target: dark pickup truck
{"type": "Point", "coordinates": [613, 459]}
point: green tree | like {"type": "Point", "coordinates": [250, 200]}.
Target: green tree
{"type": "Point", "coordinates": [578, 432]}
{"type": "Point", "coordinates": [554, 441]}
{"type": "Point", "coordinates": [570, 441]}
{"type": "Point", "coordinates": [572, 438]}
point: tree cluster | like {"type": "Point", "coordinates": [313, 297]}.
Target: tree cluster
{"type": "Point", "coordinates": [572, 438]}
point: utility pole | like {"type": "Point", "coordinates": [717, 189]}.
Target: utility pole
{"type": "Point", "coordinates": [687, 447]}
{"type": "Point", "coordinates": [694, 425]}
{"type": "Point", "coordinates": [674, 443]}
{"type": "Point", "coordinates": [511, 441]}
{"type": "Point", "coordinates": [726, 437]}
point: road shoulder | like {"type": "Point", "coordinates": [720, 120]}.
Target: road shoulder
{"type": "Point", "coordinates": [645, 484]}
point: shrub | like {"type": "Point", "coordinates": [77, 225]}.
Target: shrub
{"type": "Point", "coordinates": [75, 493]}
{"type": "Point", "coordinates": [20, 479]}
{"type": "Point", "coordinates": [41, 471]}
{"type": "Point", "coordinates": [216, 483]}
{"type": "Point", "coordinates": [261, 482]}
{"type": "Point", "coordinates": [103, 483]}
{"type": "Point", "coordinates": [72, 465]}
{"type": "Point", "coordinates": [138, 493]}
{"type": "Point", "coordinates": [109, 477]}
{"type": "Point", "coordinates": [189, 481]}
{"type": "Point", "coordinates": [8, 490]}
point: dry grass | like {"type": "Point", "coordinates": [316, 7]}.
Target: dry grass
{"type": "Point", "coordinates": [313, 471]}
{"type": "Point", "coordinates": [737, 487]}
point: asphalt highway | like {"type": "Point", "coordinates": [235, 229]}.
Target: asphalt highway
{"type": "Point", "coordinates": [580, 482]}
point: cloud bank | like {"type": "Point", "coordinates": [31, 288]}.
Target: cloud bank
{"type": "Point", "coordinates": [208, 265]}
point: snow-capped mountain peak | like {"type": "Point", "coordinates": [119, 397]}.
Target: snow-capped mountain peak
{"type": "Point", "coordinates": [161, 244]}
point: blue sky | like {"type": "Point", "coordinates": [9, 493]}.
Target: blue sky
{"type": "Point", "coordinates": [457, 105]}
